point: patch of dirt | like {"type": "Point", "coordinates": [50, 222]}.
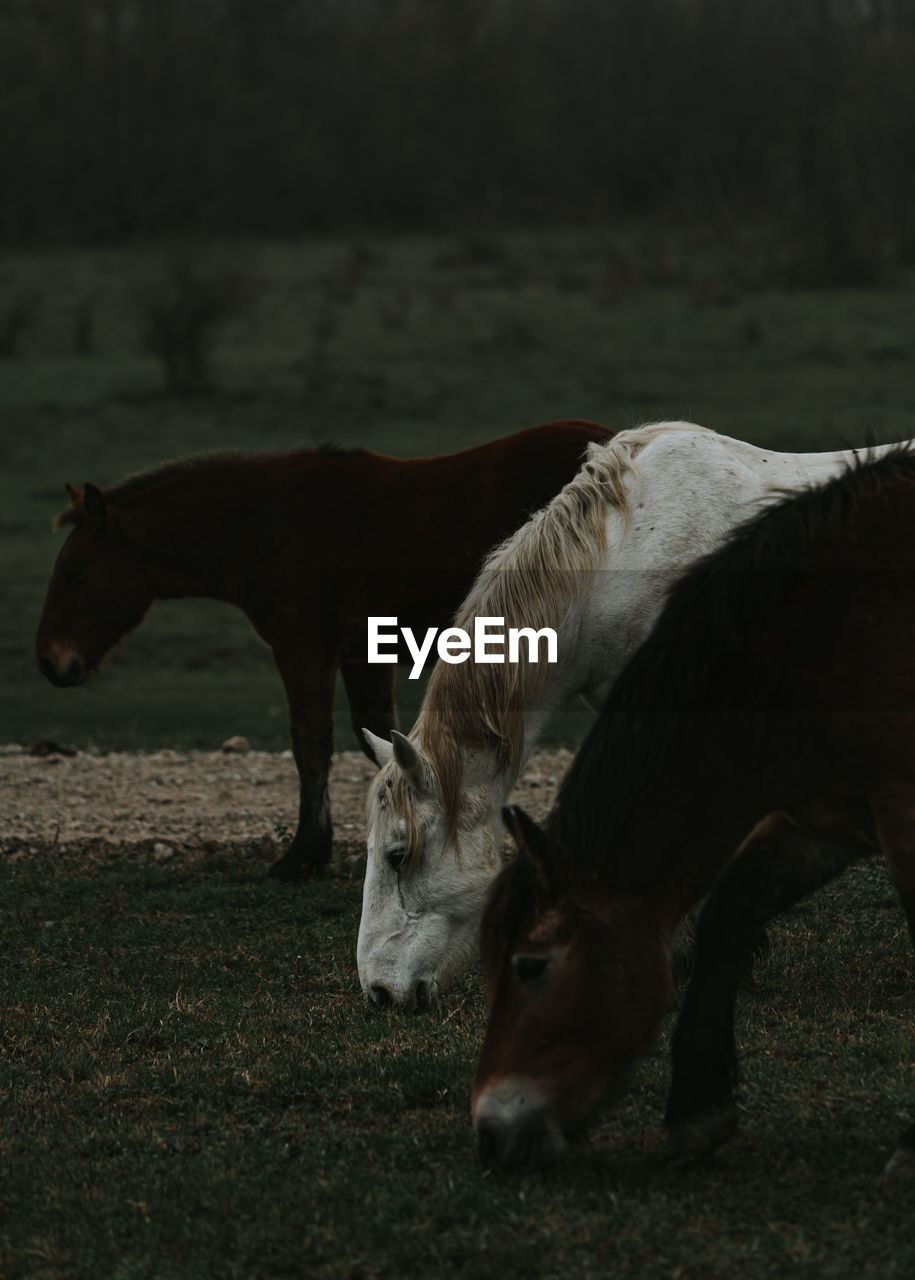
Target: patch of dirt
{"type": "Point", "coordinates": [162, 804]}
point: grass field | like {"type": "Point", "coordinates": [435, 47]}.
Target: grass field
{"type": "Point", "coordinates": [405, 346]}
{"type": "Point", "coordinates": [190, 1083]}
{"type": "Point", "coordinates": [192, 1086]}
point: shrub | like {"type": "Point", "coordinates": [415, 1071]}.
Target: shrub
{"type": "Point", "coordinates": [180, 322]}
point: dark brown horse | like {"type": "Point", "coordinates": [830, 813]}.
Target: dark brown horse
{"type": "Point", "coordinates": [308, 545]}
{"type": "Point", "coordinates": [775, 696]}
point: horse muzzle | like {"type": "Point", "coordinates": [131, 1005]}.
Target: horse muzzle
{"type": "Point", "coordinates": [516, 1128]}
{"type": "Point", "coordinates": [417, 996]}
{"type": "Point", "coordinates": [64, 671]}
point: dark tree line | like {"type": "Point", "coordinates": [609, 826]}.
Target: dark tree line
{"type": "Point", "coordinates": [121, 118]}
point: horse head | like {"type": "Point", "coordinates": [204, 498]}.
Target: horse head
{"type": "Point", "coordinates": [578, 981]}
{"type": "Point", "coordinates": [98, 591]}
{"type": "Point", "coordinates": [426, 877]}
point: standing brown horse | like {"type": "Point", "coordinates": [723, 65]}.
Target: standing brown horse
{"type": "Point", "coordinates": [777, 689]}
{"type": "Point", "coordinates": [308, 545]}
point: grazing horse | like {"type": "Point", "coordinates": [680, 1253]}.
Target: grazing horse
{"type": "Point", "coordinates": [594, 564]}
{"type": "Point", "coordinates": [308, 545]}
{"type": "Point", "coordinates": [776, 696]}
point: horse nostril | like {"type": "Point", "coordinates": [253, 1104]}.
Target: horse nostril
{"type": "Point", "coordinates": [62, 677]}
{"type": "Point", "coordinates": [381, 995]}
{"type": "Point", "coordinates": [489, 1143]}
{"type": "Point", "coordinates": [424, 995]}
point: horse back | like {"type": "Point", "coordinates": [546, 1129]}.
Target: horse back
{"type": "Point", "coordinates": [362, 533]}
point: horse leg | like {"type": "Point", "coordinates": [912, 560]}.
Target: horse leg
{"type": "Point", "coordinates": [775, 866]}
{"type": "Point", "coordinates": [308, 679]}
{"type": "Point", "coordinates": [894, 814]}
{"type": "Point", "coordinates": [370, 693]}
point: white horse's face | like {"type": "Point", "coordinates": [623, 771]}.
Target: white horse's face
{"type": "Point", "coordinates": [421, 915]}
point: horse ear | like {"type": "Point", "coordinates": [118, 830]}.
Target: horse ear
{"type": "Point", "coordinates": [546, 856]}
{"type": "Point", "coordinates": [380, 748]}
{"type": "Point", "coordinates": [70, 515]}
{"type": "Point", "coordinates": [412, 763]}
{"type": "Point", "coordinates": [96, 507]}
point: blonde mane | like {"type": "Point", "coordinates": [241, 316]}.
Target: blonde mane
{"type": "Point", "coordinates": [531, 580]}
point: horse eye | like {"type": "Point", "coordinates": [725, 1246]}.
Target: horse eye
{"type": "Point", "coordinates": [530, 969]}
{"type": "Point", "coordinates": [395, 858]}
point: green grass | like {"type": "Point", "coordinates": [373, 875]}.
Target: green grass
{"type": "Point", "coordinates": [404, 345]}
{"type": "Point", "coordinates": [192, 1086]}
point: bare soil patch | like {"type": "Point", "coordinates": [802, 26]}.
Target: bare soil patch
{"type": "Point", "coordinates": [163, 804]}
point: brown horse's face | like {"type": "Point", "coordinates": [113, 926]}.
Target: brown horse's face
{"type": "Point", "coordinates": [97, 593]}
{"type": "Point", "coordinates": [578, 982]}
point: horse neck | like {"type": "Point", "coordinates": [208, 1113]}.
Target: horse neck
{"type": "Point", "coordinates": [588, 659]}
{"type": "Point", "coordinates": [569, 676]}
{"type": "Point", "coordinates": [189, 530]}
{"type": "Point", "coordinates": [473, 762]}
{"type": "Point", "coordinates": [680, 821]}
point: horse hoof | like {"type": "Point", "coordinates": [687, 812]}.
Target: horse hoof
{"type": "Point", "coordinates": [697, 1138]}
{"type": "Point", "coordinates": [290, 868]}
{"type": "Point", "coordinates": [285, 869]}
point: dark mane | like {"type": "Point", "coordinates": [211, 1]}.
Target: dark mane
{"type": "Point", "coordinates": [711, 614]}
{"type": "Point", "coordinates": [142, 482]}
{"type": "Point", "coordinates": [330, 449]}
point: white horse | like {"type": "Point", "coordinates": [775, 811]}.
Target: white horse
{"type": "Point", "coordinates": [594, 565]}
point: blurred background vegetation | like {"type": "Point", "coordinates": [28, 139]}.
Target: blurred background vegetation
{"type": "Point", "coordinates": [416, 225]}
{"type": "Point", "coordinates": [127, 118]}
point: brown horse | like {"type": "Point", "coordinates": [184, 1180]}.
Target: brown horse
{"type": "Point", "coordinates": [775, 696]}
{"type": "Point", "coordinates": [308, 545]}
